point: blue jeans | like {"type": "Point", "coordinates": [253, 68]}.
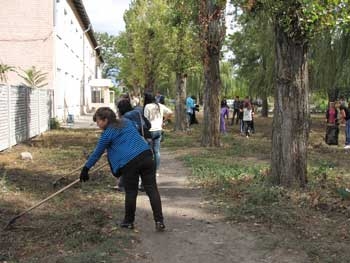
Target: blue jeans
{"type": "Point", "coordinates": [347, 132]}
{"type": "Point", "coordinates": [156, 137]}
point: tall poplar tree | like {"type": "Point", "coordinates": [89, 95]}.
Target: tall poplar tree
{"type": "Point", "coordinates": [146, 45]}
{"type": "Point", "coordinates": [212, 34]}
{"type": "Point", "coordinates": [184, 53]}
{"type": "Point", "coordinates": [295, 23]}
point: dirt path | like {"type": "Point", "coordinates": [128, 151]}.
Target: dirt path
{"type": "Point", "coordinates": [195, 231]}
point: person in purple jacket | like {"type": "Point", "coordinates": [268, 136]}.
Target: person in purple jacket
{"type": "Point", "coordinates": [224, 112]}
{"type": "Point", "coordinates": [130, 155]}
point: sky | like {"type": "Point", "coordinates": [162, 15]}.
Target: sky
{"type": "Point", "coordinates": [107, 15]}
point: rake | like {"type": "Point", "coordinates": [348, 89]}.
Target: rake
{"type": "Point", "coordinates": [13, 220]}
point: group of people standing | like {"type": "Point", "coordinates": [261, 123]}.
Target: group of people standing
{"type": "Point", "coordinates": [243, 112]}
{"type": "Point", "coordinates": [132, 142]}
{"type": "Point", "coordinates": [337, 113]}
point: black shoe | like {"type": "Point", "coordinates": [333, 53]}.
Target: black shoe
{"type": "Point", "coordinates": [160, 226]}
{"type": "Point", "coordinates": [126, 225]}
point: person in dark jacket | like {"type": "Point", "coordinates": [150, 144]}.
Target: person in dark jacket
{"type": "Point", "coordinates": [130, 155]}
{"type": "Point", "coordinates": [236, 110]}
{"type": "Point", "coordinates": [141, 123]}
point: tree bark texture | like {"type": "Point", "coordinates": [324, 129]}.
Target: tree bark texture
{"type": "Point", "coordinates": [212, 87]}
{"type": "Point", "coordinates": [180, 109]}
{"type": "Point", "coordinates": [212, 21]}
{"type": "Point", "coordinates": [291, 113]}
{"type": "Point", "coordinates": [264, 107]}
{"type": "Point", "coordinates": [149, 72]}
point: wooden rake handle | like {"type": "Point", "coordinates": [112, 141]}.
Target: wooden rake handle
{"type": "Point", "coordinates": [49, 197]}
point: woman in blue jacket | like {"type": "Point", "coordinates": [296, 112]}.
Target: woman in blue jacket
{"type": "Point", "coordinates": [130, 155]}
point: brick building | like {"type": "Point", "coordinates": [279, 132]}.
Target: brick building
{"type": "Point", "coordinates": [56, 37]}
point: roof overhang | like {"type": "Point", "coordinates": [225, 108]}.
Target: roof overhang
{"type": "Point", "coordinates": [79, 7]}
{"type": "Point", "coordinates": [101, 83]}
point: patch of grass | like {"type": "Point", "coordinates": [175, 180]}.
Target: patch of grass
{"type": "Point", "coordinates": [108, 250]}
{"type": "Point", "coordinates": [207, 168]}
{"type": "Point", "coordinates": [241, 189]}
{"type": "Point", "coordinates": [235, 177]}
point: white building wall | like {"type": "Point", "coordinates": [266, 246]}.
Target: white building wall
{"type": "Point", "coordinates": [51, 39]}
{"type": "Point", "coordinates": [74, 63]}
{"type": "Point", "coordinates": [26, 37]}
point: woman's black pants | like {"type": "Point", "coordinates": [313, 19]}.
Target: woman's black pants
{"type": "Point", "coordinates": [142, 166]}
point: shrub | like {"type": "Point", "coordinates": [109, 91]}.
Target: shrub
{"type": "Point", "coordinates": [54, 124]}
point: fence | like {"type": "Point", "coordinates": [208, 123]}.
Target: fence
{"type": "Point", "coordinates": [24, 113]}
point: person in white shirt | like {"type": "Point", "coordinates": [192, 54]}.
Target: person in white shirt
{"type": "Point", "coordinates": [247, 118]}
{"type": "Point", "coordinates": [155, 113]}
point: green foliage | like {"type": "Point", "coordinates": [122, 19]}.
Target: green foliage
{"type": "Point", "coordinates": [321, 169]}
{"type": "Point", "coordinates": [109, 51]}
{"type": "Point", "coordinates": [253, 60]}
{"type": "Point", "coordinates": [159, 41]}
{"type": "Point", "coordinates": [263, 194]}
{"type": "Point", "coordinates": [34, 78]}
{"type": "Point", "coordinates": [144, 44]}
{"type": "Point", "coordinates": [231, 85]}
{"type": "Point", "coordinates": [210, 170]}
{"type": "Point", "coordinates": [4, 70]}
{"type": "Point", "coordinates": [301, 19]}
{"type": "Point", "coordinates": [330, 63]}
{"type": "Point", "coordinates": [54, 124]}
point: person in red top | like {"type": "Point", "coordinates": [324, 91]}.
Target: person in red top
{"type": "Point", "coordinates": [332, 114]}
{"type": "Point", "coordinates": [332, 131]}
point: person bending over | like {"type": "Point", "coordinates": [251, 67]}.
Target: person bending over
{"type": "Point", "coordinates": [130, 155]}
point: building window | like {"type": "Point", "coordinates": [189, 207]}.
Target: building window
{"type": "Point", "coordinates": [96, 96]}
{"type": "Point", "coordinates": [111, 96]}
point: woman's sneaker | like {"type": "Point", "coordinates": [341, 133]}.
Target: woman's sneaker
{"type": "Point", "coordinates": [160, 226]}
{"type": "Point", "coordinates": [126, 225]}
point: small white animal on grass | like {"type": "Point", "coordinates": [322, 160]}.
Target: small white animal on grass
{"type": "Point", "coordinates": [26, 156]}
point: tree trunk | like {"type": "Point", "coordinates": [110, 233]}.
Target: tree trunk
{"type": "Point", "coordinates": [264, 107]}
{"type": "Point", "coordinates": [333, 94]}
{"type": "Point", "coordinates": [149, 72]}
{"type": "Point", "coordinates": [212, 87]}
{"type": "Point", "coordinates": [212, 20]}
{"type": "Point", "coordinates": [180, 109]}
{"type": "Point", "coordinates": [150, 76]}
{"type": "Point", "coordinates": [291, 113]}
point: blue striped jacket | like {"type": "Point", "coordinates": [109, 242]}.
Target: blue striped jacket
{"type": "Point", "coordinates": [122, 145]}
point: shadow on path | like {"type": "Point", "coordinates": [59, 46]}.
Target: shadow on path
{"type": "Point", "coordinates": [195, 231]}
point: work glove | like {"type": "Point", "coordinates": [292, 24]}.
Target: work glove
{"type": "Point", "coordinates": [84, 174]}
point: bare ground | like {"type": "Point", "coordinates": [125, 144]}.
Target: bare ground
{"type": "Point", "coordinates": [197, 231]}
{"type": "Point", "coordinates": [79, 225]}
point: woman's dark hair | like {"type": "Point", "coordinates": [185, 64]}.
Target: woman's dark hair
{"type": "Point", "coordinates": [223, 103]}
{"type": "Point", "coordinates": [247, 105]}
{"type": "Point", "coordinates": [149, 98]}
{"type": "Point", "coordinates": [104, 113]}
{"type": "Point", "coordinates": [124, 106]}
